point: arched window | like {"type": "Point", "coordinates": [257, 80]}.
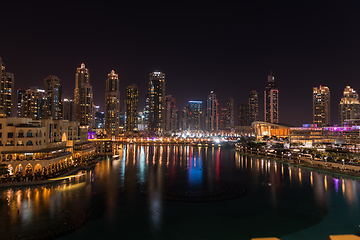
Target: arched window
{"type": "Point", "coordinates": [29, 143]}
{"type": "Point", "coordinates": [21, 134]}
{"type": "Point", "coordinates": [20, 143]}
{"type": "Point", "coordinates": [29, 134]}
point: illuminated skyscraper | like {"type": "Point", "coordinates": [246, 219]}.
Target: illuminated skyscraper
{"type": "Point", "coordinates": [34, 103]}
{"type": "Point", "coordinates": [68, 109]}
{"type": "Point", "coordinates": [321, 106]}
{"type": "Point", "coordinates": [132, 95]}
{"type": "Point", "coordinates": [6, 91]}
{"type": "Point", "coordinates": [20, 94]}
{"type": "Point", "coordinates": [156, 102]}
{"type": "Point", "coordinates": [171, 114]}
{"type": "Point", "coordinates": [112, 104]}
{"type": "Point", "coordinates": [52, 86]}
{"type": "Point", "coordinates": [212, 113]}
{"type": "Point", "coordinates": [271, 101]}
{"type": "Point", "coordinates": [349, 106]}
{"type": "Point", "coordinates": [253, 106]}
{"type": "Point", "coordinates": [83, 97]}
{"type": "Point", "coordinates": [194, 115]}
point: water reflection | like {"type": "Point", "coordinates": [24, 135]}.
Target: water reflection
{"type": "Point", "coordinates": [132, 190]}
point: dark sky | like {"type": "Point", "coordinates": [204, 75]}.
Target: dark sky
{"type": "Point", "coordinates": [201, 46]}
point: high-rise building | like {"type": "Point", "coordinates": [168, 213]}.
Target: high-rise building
{"type": "Point", "coordinates": [19, 97]}
{"type": "Point", "coordinates": [52, 86]}
{"type": "Point", "coordinates": [112, 104]}
{"type": "Point", "coordinates": [83, 97]}
{"type": "Point", "coordinates": [171, 114]}
{"type": "Point", "coordinates": [349, 106]}
{"type": "Point", "coordinates": [230, 113]}
{"type": "Point", "coordinates": [212, 113]}
{"type": "Point", "coordinates": [146, 110]}
{"type": "Point", "coordinates": [6, 91]}
{"type": "Point", "coordinates": [184, 118]}
{"type": "Point", "coordinates": [156, 102]}
{"type": "Point", "coordinates": [68, 109]}
{"type": "Point", "coordinates": [34, 103]}
{"type": "Point", "coordinates": [271, 101]}
{"type": "Point", "coordinates": [243, 115]}
{"type": "Point", "coordinates": [224, 118]}
{"type": "Point", "coordinates": [321, 106]}
{"type": "Point", "coordinates": [194, 115]}
{"type": "Point", "coordinates": [132, 96]}
{"type": "Point", "coordinates": [253, 106]}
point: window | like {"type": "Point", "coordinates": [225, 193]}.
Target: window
{"type": "Point", "coordinates": [10, 135]}
{"type": "Point", "coordinates": [29, 134]}
{"type": "Point", "coordinates": [21, 134]}
{"type": "Point", "coordinates": [29, 143]}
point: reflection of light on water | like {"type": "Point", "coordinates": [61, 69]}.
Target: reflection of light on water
{"type": "Point", "coordinates": [282, 170]}
{"type": "Point", "coordinates": [343, 186]}
{"type": "Point", "coordinates": [300, 175]}
{"type": "Point", "coordinates": [155, 210]}
{"type": "Point", "coordinates": [311, 179]}
{"type": "Point", "coordinates": [325, 182]}
{"type": "Point", "coordinates": [336, 184]}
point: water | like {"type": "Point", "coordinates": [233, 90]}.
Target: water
{"type": "Point", "coordinates": [183, 192]}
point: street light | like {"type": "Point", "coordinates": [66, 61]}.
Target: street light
{"type": "Point", "coordinates": [343, 161]}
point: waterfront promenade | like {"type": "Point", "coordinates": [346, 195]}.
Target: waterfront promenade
{"type": "Point", "coordinates": [333, 167]}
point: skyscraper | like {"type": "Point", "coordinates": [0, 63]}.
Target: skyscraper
{"type": "Point", "coordinates": [6, 90]}
{"type": "Point", "coordinates": [349, 106]}
{"type": "Point", "coordinates": [271, 101]}
{"type": "Point", "coordinates": [194, 115]}
{"type": "Point", "coordinates": [20, 94]}
{"type": "Point", "coordinates": [52, 86]}
{"type": "Point", "coordinates": [243, 114]}
{"type": "Point", "coordinates": [253, 106]}
{"type": "Point", "coordinates": [230, 113]}
{"type": "Point", "coordinates": [83, 97]}
{"type": "Point", "coordinates": [34, 103]}
{"type": "Point", "coordinates": [212, 113]}
{"type": "Point", "coordinates": [171, 114]}
{"type": "Point", "coordinates": [156, 102]}
{"type": "Point", "coordinates": [321, 106]}
{"type": "Point", "coordinates": [112, 104]}
{"type": "Point", "coordinates": [68, 109]}
{"type": "Point", "coordinates": [224, 118]}
{"type": "Point", "coordinates": [132, 95]}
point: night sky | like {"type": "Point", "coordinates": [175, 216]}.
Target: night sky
{"type": "Point", "coordinates": [203, 46]}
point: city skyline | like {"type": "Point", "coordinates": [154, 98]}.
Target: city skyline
{"type": "Point", "coordinates": [312, 47]}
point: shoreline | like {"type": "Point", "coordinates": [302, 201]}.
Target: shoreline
{"type": "Point", "coordinates": [317, 166]}
{"type": "Point", "coordinates": [47, 181]}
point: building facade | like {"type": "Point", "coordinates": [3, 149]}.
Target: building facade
{"type": "Point", "coordinates": [212, 113]}
{"type": "Point", "coordinates": [271, 101]}
{"type": "Point", "coordinates": [253, 106]}
{"type": "Point", "coordinates": [68, 109]}
{"type": "Point", "coordinates": [34, 103]}
{"type": "Point", "coordinates": [349, 106]}
{"type": "Point", "coordinates": [321, 106]}
{"type": "Point", "coordinates": [6, 91]}
{"type": "Point", "coordinates": [132, 98]}
{"type": "Point", "coordinates": [171, 114]}
{"type": "Point", "coordinates": [83, 97]}
{"type": "Point", "coordinates": [156, 102]}
{"type": "Point", "coordinates": [112, 104]}
{"type": "Point", "coordinates": [52, 86]}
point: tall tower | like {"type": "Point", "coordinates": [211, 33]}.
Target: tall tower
{"type": "Point", "coordinates": [34, 103]}
{"type": "Point", "coordinates": [112, 104]}
{"type": "Point", "coordinates": [52, 86]}
{"type": "Point", "coordinates": [171, 114]}
{"type": "Point", "coordinates": [194, 115]}
{"type": "Point", "coordinates": [212, 113]}
{"type": "Point", "coordinates": [321, 106]}
{"type": "Point", "coordinates": [156, 102]}
{"type": "Point", "coordinates": [271, 101]}
{"type": "Point", "coordinates": [349, 106]}
{"type": "Point", "coordinates": [253, 106]}
{"type": "Point", "coordinates": [243, 114]}
{"type": "Point", "coordinates": [6, 90]}
{"type": "Point", "coordinates": [83, 97]}
{"type": "Point", "coordinates": [230, 113]}
{"type": "Point", "coordinates": [132, 95]}
{"type": "Point", "coordinates": [68, 109]}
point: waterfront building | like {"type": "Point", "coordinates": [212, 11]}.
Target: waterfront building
{"type": "Point", "coordinates": [34, 147]}
{"type": "Point", "coordinates": [6, 90]}
{"type": "Point", "coordinates": [52, 86]}
{"type": "Point", "coordinates": [146, 110]}
{"type": "Point", "coordinates": [194, 115]}
{"type": "Point", "coordinates": [184, 118]}
{"type": "Point", "coordinates": [227, 115]}
{"type": "Point", "coordinates": [270, 130]}
{"type": "Point", "coordinates": [142, 125]}
{"type": "Point", "coordinates": [83, 97]}
{"type": "Point", "coordinates": [156, 102]}
{"type": "Point", "coordinates": [34, 103]}
{"type": "Point", "coordinates": [271, 101]}
{"type": "Point", "coordinates": [132, 95]}
{"type": "Point", "coordinates": [253, 106]}
{"type": "Point", "coordinates": [212, 113]}
{"type": "Point", "coordinates": [19, 96]}
{"type": "Point", "coordinates": [223, 118]}
{"type": "Point", "coordinates": [243, 114]}
{"type": "Point", "coordinates": [349, 106]}
{"type": "Point", "coordinates": [68, 109]}
{"type": "Point", "coordinates": [171, 114]}
{"type": "Point", "coordinates": [321, 106]}
{"type": "Point", "coordinates": [112, 104]}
